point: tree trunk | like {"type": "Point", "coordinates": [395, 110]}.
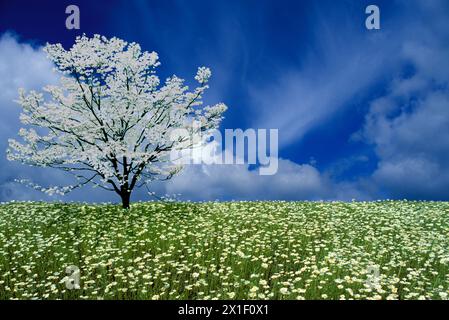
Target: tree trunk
{"type": "Point", "coordinates": [125, 195]}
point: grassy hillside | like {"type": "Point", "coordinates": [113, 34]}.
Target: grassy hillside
{"type": "Point", "coordinates": [260, 250]}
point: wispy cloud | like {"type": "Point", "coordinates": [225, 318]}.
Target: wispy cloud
{"type": "Point", "coordinates": [342, 62]}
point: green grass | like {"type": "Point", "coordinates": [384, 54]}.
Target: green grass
{"type": "Point", "coordinates": [235, 250]}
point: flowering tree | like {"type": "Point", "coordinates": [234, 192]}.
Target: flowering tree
{"type": "Point", "coordinates": [110, 122]}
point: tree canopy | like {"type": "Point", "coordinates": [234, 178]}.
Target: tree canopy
{"type": "Point", "coordinates": [109, 121]}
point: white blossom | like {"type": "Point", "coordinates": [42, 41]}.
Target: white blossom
{"type": "Point", "coordinates": [203, 75]}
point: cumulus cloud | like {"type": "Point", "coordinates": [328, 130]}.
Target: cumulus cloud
{"type": "Point", "coordinates": [21, 65]}
{"type": "Point", "coordinates": [210, 182]}
{"type": "Point", "coordinates": [409, 126]}
{"type": "Point", "coordinates": [25, 66]}
{"type": "Point", "coordinates": [239, 182]}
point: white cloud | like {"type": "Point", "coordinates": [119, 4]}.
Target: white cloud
{"type": "Point", "coordinates": [413, 147]}
{"type": "Point", "coordinates": [409, 126]}
{"type": "Point", "coordinates": [237, 182]}
{"type": "Point", "coordinates": [20, 66]}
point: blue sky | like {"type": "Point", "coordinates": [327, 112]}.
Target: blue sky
{"type": "Point", "coordinates": [361, 114]}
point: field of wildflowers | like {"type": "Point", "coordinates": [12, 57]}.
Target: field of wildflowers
{"type": "Point", "coordinates": [234, 250]}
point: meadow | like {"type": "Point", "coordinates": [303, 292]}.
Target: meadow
{"type": "Point", "coordinates": [229, 250]}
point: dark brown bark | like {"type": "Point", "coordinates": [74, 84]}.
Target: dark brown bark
{"type": "Point", "coordinates": [126, 196]}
